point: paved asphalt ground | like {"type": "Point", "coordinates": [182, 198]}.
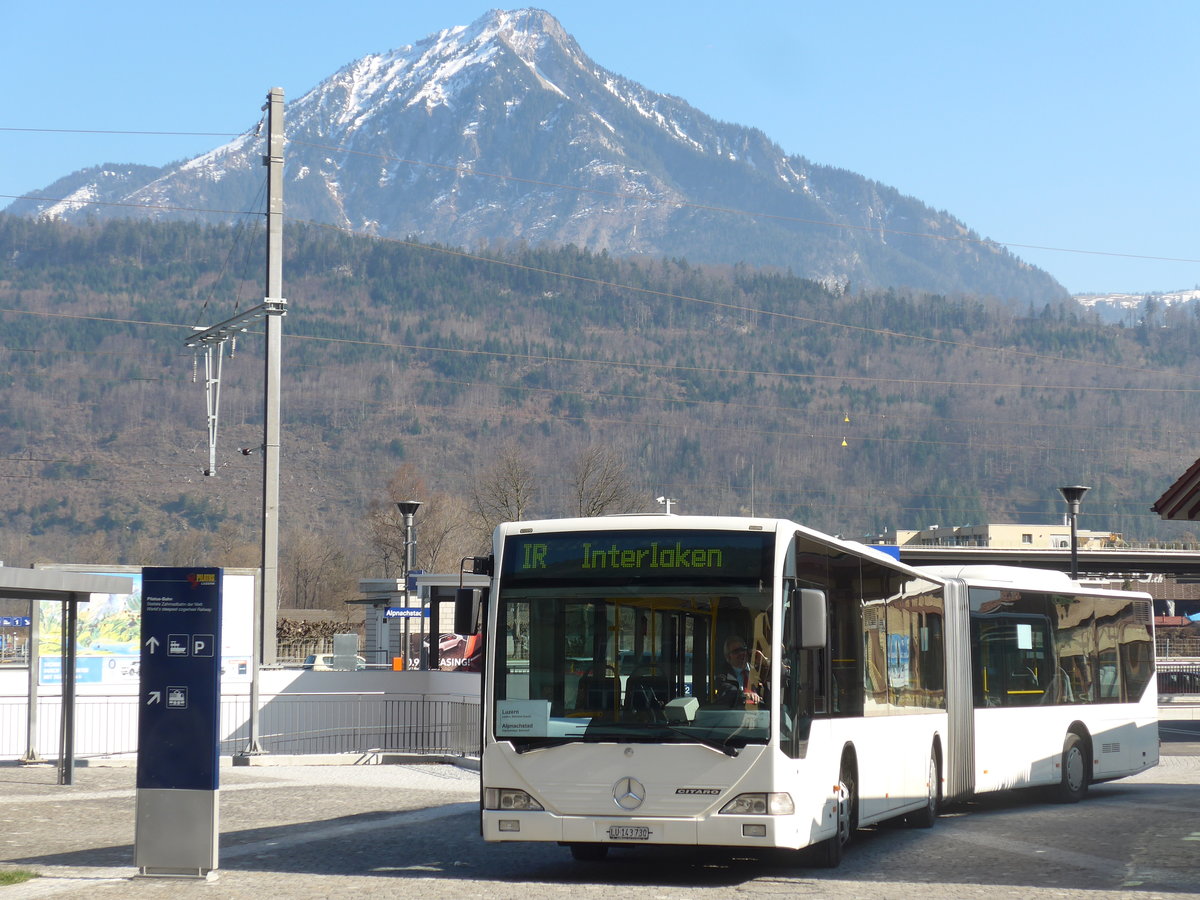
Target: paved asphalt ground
{"type": "Point", "coordinates": [411, 830]}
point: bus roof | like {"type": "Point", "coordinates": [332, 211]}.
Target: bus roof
{"type": "Point", "coordinates": [657, 520]}
{"type": "Point", "coordinates": [1021, 578]}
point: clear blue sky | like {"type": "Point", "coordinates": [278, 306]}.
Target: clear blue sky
{"type": "Point", "coordinates": [1064, 124]}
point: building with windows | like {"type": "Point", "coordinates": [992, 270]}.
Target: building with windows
{"type": "Point", "coordinates": [1003, 537]}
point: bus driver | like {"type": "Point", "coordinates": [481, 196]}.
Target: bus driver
{"type": "Point", "coordinates": [741, 682]}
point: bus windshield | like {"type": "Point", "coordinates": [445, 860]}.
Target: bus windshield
{"type": "Point", "coordinates": [634, 636]}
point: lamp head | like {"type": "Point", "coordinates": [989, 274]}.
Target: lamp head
{"type": "Point", "coordinates": [1073, 493]}
{"type": "Point", "coordinates": [409, 507]}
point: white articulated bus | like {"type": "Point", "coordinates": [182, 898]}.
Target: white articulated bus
{"type": "Point", "coordinates": [752, 683]}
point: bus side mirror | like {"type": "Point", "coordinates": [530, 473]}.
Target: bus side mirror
{"type": "Point", "coordinates": [813, 628]}
{"type": "Point", "coordinates": [466, 611]}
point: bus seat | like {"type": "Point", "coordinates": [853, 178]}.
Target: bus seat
{"type": "Point", "coordinates": [597, 693]}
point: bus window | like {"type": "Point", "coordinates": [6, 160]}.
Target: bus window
{"type": "Point", "coordinates": [1058, 648]}
{"type": "Point", "coordinates": [1075, 648]}
{"type": "Point", "coordinates": [915, 669]}
{"type": "Point", "coordinates": [1137, 663]}
{"type": "Point", "coordinates": [888, 632]}
{"type": "Point", "coordinates": [1011, 648]}
{"type": "Point", "coordinates": [1108, 659]}
{"type": "Point", "coordinates": [844, 592]}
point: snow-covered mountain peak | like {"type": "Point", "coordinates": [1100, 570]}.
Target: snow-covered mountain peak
{"type": "Point", "coordinates": [435, 71]}
{"type": "Point", "coordinates": [472, 135]}
{"type": "Point", "coordinates": [527, 31]}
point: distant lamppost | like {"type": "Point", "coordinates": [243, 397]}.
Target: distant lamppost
{"type": "Point", "coordinates": [1073, 494]}
{"type": "Point", "coordinates": [666, 501]}
{"type": "Point", "coordinates": [408, 509]}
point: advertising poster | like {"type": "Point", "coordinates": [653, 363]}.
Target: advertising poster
{"type": "Point", "coordinates": [109, 628]}
{"type": "Point", "coordinates": [14, 639]}
{"type": "Point", "coordinates": [456, 652]}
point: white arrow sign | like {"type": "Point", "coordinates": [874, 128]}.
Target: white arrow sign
{"type": "Point", "coordinates": [155, 697]}
{"type": "Point", "coordinates": [152, 642]}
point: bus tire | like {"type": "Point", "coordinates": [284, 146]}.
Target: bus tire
{"type": "Point", "coordinates": [829, 852]}
{"type": "Point", "coordinates": [1073, 785]}
{"type": "Point", "coordinates": [589, 852]}
{"type": "Point", "coordinates": [927, 815]}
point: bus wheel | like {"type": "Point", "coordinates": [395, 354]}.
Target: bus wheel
{"type": "Point", "coordinates": [925, 817]}
{"type": "Point", "coordinates": [589, 852]}
{"type": "Point", "coordinates": [1074, 784]}
{"type": "Point", "coordinates": [828, 854]}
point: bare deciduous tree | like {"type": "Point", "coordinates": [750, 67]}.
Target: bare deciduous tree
{"type": "Point", "coordinates": [505, 492]}
{"type": "Point", "coordinates": [444, 535]}
{"type": "Point", "coordinates": [315, 573]}
{"type": "Point", "coordinates": [601, 483]}
{"type": "Point", "coordinates": [442, 531]}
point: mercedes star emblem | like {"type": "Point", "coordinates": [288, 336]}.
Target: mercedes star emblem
{"type": "Point", "coordinates": [629, 793]}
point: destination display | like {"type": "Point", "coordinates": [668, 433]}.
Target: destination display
{"type": "Point", "coordinates": [644, 557]}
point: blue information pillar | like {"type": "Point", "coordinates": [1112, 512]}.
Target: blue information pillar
{"type": "Point", "coordinates": [179, 722]}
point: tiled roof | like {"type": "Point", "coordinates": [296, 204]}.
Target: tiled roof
{"type": "Point", "coordinates": [1181, 502]}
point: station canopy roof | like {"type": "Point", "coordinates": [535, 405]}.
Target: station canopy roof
{"type": "Point", "coordinates": [48, 584]}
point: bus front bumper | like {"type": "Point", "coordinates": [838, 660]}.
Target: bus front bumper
{"type": "Point", "coordinates": [724, 831]}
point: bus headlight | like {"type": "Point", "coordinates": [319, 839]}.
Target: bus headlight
{"type": "Point", "coordinates": [774, 804]}
{"type": "Point", "coordinates": [508, 798]}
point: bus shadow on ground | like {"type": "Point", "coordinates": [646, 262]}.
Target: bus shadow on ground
{"type": "Point", "coordinates": [448, 847]}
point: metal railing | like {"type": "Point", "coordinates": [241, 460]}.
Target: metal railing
{"type": "Point", "coordinates": [1179, 676]}
{"type": "Point", "coordinates": [295, 652]}
{"type": "Point", "coordinates": [1167, 646]}
{"type": "Point", "coordinates": [106, 726]}
{"type": "Point", "coordinates": [356, 724]}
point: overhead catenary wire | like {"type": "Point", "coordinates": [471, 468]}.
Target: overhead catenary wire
{"type": "Point", "coordinates": [709, 370]}
{"type": "Point", "coordinates": [745, 309]}
{"type": "Point", "coordinates": [468, 170]}
{"type": "Point", "coordinates": [792, 434]}
{"type": "Point", "coordinates": [464, 169]}
{"type": "Point", "coordinates": [794, 495]}
{"type": "Point", "coordinates": [460, 169]}
{"type": "Point", "coordinates": [731, 307]}
{"type": "Point", "coordinates": [863, 437]}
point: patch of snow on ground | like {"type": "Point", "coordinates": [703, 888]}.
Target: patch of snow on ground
{"type": "Point", "coordinates": [82, 196]}
{"type": "Point", "coordinates": [603, 121]}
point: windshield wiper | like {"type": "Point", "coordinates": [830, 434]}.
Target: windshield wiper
{"type": "Point", "coordinates": [542, 743]}
{"type": "Point", "coordinates": [652, 735]}
{"type": "Point", "coordinates": [617, 736]}
{"type": "Point", "coordinates": [725, 747]}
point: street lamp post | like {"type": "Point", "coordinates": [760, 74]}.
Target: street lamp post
{"type": "Point", "coordinates": [408, 509]}
{"type": "Point", "coordinates": [1073, 494]}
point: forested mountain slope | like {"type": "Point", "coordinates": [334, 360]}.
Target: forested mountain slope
{"type": "Point", "coordinates": [731, 390]}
